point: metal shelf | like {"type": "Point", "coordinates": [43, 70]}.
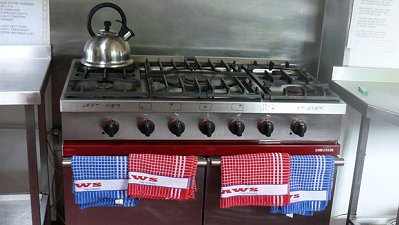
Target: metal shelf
{"type": "Point", "coordinates": [16, 209]}
{"type": "Point", "coordinates": [374, 93]}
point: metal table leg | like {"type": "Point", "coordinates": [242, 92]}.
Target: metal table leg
{"type": "Point", "coordinates": [32, 163]}
{"type": "Point", "coordinates": [359, 164]}
{"type": "Point", "coordinates": [44, 187]}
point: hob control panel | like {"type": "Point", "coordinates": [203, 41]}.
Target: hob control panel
{"type": "Point", "coordinates": [206, 126]}
{"type": "Point", "coordinates": [194, 126]}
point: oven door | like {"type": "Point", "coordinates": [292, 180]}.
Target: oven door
{"type": "Point", "coordinates": [205, 208]}
{"type": "Point", "coordinates": [149, 212]}
{"type": "Point", "coordinates": [214, 215]}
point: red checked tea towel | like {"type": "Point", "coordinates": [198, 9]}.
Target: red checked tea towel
{"type": "Point", "coordinates": [255, 180]}
{"type": "Point", "coordinates": [154, 176]}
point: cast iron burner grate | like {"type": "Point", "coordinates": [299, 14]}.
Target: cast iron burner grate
{"type": "Point", "coordinates": [218, 78]}
{"type": "Point", "coordinates": [192, 79]}
{"type": "Point", "coordinates": [99, 83]}
{"type": "Point", "coordinates": [198, 78]}
{"type": "Point", "coordinates": [288, 83]}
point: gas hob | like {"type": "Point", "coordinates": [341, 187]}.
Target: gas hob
{"type": "Point", "coordinates": [199, 98]}
{"type": "Point", "coordinates": [198, 78]}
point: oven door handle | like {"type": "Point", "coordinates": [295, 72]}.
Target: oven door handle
{"type": "Point", "coordinates": [202, 162]}
{"type": "Point", "coordinates": [215, 161]}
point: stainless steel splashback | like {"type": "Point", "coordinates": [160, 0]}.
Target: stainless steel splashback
{"type": "Point", "coordinates": [282, 29]}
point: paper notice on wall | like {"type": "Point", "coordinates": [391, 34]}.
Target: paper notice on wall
{"type": "Point", "coordinates": [374, 25]}
{"type": "Point", "coordinates": [22, 22]}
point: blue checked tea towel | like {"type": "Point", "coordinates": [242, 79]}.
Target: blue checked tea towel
{"type": "Point", "coordinates": [101, 181]}
{"type": "Point", "coordinates": [311, 180]}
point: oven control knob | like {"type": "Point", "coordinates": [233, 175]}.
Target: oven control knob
{"type": "Point", "coordinates": [266, 127]}
{"type": "Point", "coordinates": [299, 127]}
{"type": "Point", "coordinates": [207, 127]}
{"type": "Point", "coordinates": [111, 127]}
{"type": "Point", "coordinates": [146, 127]}
{"type": "Point", "coordinates": [177, 127]}
{"type": "Point", "coordinates": [237, 127]}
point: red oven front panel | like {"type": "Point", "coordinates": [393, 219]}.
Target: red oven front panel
{"type": "Point", "coordinates": [214, 148]}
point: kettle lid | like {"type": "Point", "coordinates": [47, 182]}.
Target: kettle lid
{"type": "Point", "coordinates": [107, 32]}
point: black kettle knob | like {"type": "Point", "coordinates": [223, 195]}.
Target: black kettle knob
{"type": "Point", "coordinates": [107, 25]}
{"type": "Point", "coordinates": [111, 127]}
{"type": "Point", "coordinates": [299, 127]}
{"type": "Point", "coordinates": [177, 127]}
{"type": "Point", "coordinates": [266, 127]}
{"type": "Point", "coordinates": [146, 127]}
{"type": "Point", "coordinates": [237, 127]}
{"type": "Point", "coordinates": [207, 127]}
{"type": "Point", "coordinates": [100, 6]}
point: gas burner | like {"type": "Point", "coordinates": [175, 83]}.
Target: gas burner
{"type": "Point", "coordinates": [294, 90]}
{"type": "Point", "coordinates": [103, 85]}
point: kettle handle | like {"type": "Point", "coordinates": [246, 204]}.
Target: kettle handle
{"type": "Point", "coordinates": [100, 6]}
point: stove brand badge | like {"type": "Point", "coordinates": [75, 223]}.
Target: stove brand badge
{"type": "Point", "coordinates": [324, 150]}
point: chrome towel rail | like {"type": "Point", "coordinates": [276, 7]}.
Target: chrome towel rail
{"type": "Point", "coordinates": [66, 162]}
{"type": "Point", "coordinates": [215, 161]}
{"type": "Point", "coordinates": [202, 161]}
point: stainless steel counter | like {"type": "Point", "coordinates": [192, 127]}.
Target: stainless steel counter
{"type": "Point", "coordinates": [381, 85]}
{"type": "Point", "coordinates": [374, 93]}
{"type": "Point", "coordinates": [22, 80]}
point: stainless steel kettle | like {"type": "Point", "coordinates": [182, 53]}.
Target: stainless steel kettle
{"type": "Point", "coordinates": [108, 49]}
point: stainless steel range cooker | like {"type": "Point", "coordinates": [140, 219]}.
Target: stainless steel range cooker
{"type": "Point", "coordinates": [205, 106]}
{"type": "Point", "coordinates": [200, 98]}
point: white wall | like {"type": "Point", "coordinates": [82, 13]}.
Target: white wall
{"type": "Point", "coordinates": [379, 194]}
